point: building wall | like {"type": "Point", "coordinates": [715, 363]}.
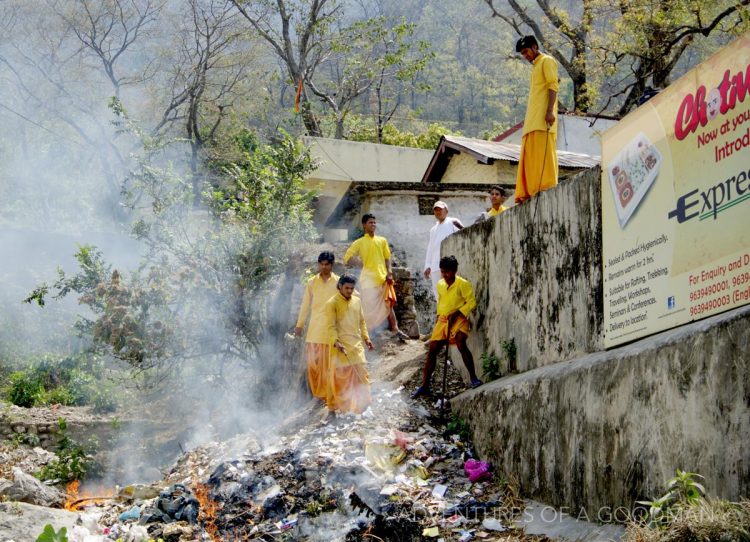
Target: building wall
{"type": "Point", "coordinates": [408, 232]}
{"type": "Point", "coordinates": [464, 168]}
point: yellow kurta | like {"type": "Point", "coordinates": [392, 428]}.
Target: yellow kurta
{"type": "Point", "coordinates": [317, 293]}
{"type": "Point", "coordinates": [459, 296]}
{"type": "Point", "coordinates": [317, 349]}
{"type": "Point", "coordinates": [346, 324]}
{"type": "Point", "coordinates": [373, 251]}
{"type": "Point", "coordinates": [348, 387]}
{"type": "Point", "coordinates": [495, 212]}
{"type": "Point", "coordinates": [543, 79]}
{"type": "Point", "coordinates": [537, 167]}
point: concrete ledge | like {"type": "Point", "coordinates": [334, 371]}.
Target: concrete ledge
{"type": "Point", "coordinates": [536, 271]}
{"type": "Point", "coordinates": [607, 429]}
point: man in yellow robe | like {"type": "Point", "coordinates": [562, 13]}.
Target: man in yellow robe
{"type": "Point", "coordinates": [455, 303]}
{"type": "Point", "coordinates": [348, 381]}
{"type": "Point", "coordinates": [372, 253]}
{"type": "Point", "coordinates": [537, 166]}
{"type": "Point", "coordinates": [318, 290]}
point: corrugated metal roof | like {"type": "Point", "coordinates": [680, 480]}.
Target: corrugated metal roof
{"type": "Point", "coordinates": [485, 151]}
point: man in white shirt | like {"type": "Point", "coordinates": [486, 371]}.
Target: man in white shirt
{"type": "Point", "coordinates": [445, 226]}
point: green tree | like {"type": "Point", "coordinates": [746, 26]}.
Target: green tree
{"type": "Point", "coordinates": [660, 33]}
{"type": "Point", "coordinates": [204, 284]}
{"type": "Point", "coordinates": [624, 46]}
{"type": "Point", "coordinates": [373, 58]}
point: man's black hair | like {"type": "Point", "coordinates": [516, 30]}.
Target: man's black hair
{"type": "Point", "coordinates": [366, 217]}
{"type": "Point", "coordinates": [326, 256]}
{"type": "Point", "coordinates": [525, 43]}
{"type": "Point", "coordinates": [346, 279]}
{"type": "Point", "coordinates": [449, 263]}
{"type": "Point", "coordinates": [499, 189]}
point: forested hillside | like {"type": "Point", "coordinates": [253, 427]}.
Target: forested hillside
{"type": "Point", "coordinates": [119, 115]}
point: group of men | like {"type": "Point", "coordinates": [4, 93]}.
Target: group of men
{"type": "Point", "coordinates": [340, 316]}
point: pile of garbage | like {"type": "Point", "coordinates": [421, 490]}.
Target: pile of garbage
{"type": "Point", "coordinates": [395, 472]}
{"type": "Point", "coordinates": [387, 474]}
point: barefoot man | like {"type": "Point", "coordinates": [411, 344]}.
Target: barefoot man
{"type": "Point", "coordinates": [319, 289]}
{"type": "Point", "coordinates": [348, 382]}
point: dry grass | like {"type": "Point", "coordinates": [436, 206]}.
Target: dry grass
{"type": "Point", "coordinates": [707, 521]}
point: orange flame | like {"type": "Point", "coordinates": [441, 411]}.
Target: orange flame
{"type": "Point", "coordinates": [208, 511]}
{"type": "Point", "coordinates": [77, 497]}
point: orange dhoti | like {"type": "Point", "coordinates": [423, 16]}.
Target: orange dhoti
{"type": "Point", "coordinates": [317, 356]}
{"type": "Point", "coordinates": [537, 167]}
{"type": "Point", "coordinates": [348, 387]}
{"type": "Point", "coordinates": [377, 303]}
{"type": "Point", "coordinates": [441, 332]}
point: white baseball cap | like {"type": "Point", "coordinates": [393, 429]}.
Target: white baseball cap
{"type": "Point", "coordinates": [440, 204]}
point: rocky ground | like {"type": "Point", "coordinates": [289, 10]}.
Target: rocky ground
{"type": "Point", "coordinates": [396, 472]}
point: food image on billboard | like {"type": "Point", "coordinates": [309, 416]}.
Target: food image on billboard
{"type": "Point", "coordinates": [675, 198]}
{"type": "Point", "coordinates": [631, 174]}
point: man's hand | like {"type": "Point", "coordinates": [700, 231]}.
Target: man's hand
{"type": "Point", "coordinates": [339, 347]}
{"type": "Point", "coordinates": [457, 224]}
{"type": "Point", "coordinates": [298, 331]}
{"type": "Point", "coordinates": [550, 119]}
{"type": "Point", "coordinates": [427, 273]}
{"type": "Point", "coordinates": [369, 344]}
{"type": "Point", "coordinates": [389, 278]}
{"type": "Point", "coordinates": [354, 261]}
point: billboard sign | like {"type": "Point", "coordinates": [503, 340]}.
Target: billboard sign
{"type": "Point", "coordinates": [676, 202]}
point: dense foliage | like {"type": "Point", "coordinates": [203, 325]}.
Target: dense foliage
{"type": "Point", "coordinates": [201, 289]}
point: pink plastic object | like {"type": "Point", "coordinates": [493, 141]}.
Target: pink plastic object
{"type": "Point", "coordinates": [477, 470]}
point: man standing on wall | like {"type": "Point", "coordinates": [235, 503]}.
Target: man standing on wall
{"type": "Point", "coordinates": [318, 291]}
{"type": "Point", "coordinates": [444, 226]}
{"type": "Point", "coordinates": [455, 302]}
{"type": "Point", "coordinates": [537, 166]}
{"type": "Point", "coordinates": [372, 253]}
{"type": "Point", "coordinates": [348, 381]}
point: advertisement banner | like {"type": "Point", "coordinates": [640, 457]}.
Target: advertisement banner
{"type": "Point", "coordinates": [676, 202]}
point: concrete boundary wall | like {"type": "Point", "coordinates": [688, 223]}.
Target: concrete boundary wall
{"type": "Point", "coordinates": [610, 428]}
{"type": "Point", "coordinates": [536, 270]}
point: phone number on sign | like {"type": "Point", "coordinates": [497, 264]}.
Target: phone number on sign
{"type": "Point", "coordinates": [711, 289]}
{"type": "Point", "coordinates": [710, 305]}
{"type": "Point", "coordinates": [741, 279]}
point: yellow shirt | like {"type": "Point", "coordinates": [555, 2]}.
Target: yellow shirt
{"type": "Point", "coordinates": [543, 78]}
{"type": "Point", "coordinates": [458, 296]}
{"type": "Point", "coordinates": [494, 212]}
{"type": "Point", "coordinates": [373, 251]}
{"type": "Point", "coordinates": [317, 292]}
{"type": "Point", "coordinates": [346, 324]}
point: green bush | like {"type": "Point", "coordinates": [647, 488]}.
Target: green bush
{"type": "Point", "coordinates": [105, 399]}
{"type": "Point", "coordinates": [58, 396]}
{"type": "Point", "coordinates": [68, 381]}
{"type": "Point", "coordinates": [73, 460]}
{"type": "Point", "coordinates": [24, 389]}
{"type": "Point", "coordinates": [490, 367]}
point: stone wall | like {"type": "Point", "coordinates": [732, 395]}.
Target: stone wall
{"type": "Point", "coordinates": [610, 428]}
{"type": "Point", "coordinates": [536, 270]}
{"type": "Point", "coordinates": [580, 427]}
{"type": "Point", "coordinates": [39, 426]}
